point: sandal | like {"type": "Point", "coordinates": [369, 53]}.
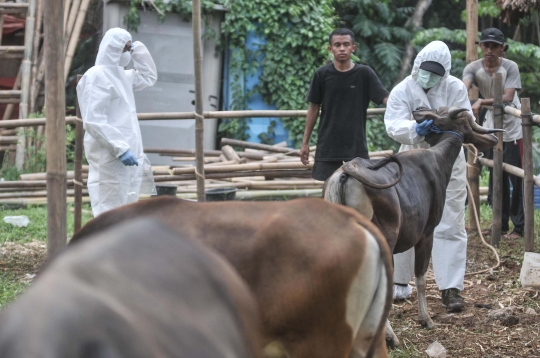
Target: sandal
{"type": "Point", "coordinates": [514, 235]}
{"type": "Point", "coordinates": [488, 232]}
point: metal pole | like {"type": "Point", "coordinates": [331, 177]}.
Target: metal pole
{"type": "Point", "coordinates": [78, 167]}
{"type": "Point", "coordinates": [199, 118]}
{"type": "Point", "coordinates": [497, 160]}
{"type": "Point", "coordinates": [528, 193]}
{"type": "Point", "coordinates": [56, 131]}
{"type": "Point", "coordinates": [473, 166]}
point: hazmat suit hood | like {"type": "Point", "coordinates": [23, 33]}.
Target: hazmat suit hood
{"type": "Point", "coordinates": [111, 47]}
{"type": "Point", "coordinates": [436, 51]}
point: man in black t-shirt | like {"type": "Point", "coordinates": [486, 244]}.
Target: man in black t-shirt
{"type": "Point", "coordinates": [342, 90]}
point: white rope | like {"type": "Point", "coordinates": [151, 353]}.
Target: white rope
{"type": "Point", "coordinates": [475, 152]}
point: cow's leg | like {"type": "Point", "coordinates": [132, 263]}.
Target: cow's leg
{"type": "Point", "coordinates": [392, 340]}
{"type": "Point", "coordinates": [422, 256]}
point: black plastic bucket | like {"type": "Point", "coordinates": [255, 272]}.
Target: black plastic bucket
{"type": "Point", "coordinates": [166, 189]}
{"type": "Point", "coordinates": [221, 194]}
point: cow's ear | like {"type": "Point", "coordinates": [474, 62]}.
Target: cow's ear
{"type": "Point", "coordinates": [484, 141]}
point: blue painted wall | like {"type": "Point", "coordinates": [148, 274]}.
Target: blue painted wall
{"type": "Point", "coordinates": [257, 125]}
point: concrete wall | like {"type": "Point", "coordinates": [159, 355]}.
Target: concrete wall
{"type": "Point", "coordinates": [171, 46]}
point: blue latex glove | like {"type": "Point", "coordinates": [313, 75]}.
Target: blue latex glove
{"type": "Point", "coordinates": [423, 128]}
{"type": "Point", "coordinates": [129, 159]}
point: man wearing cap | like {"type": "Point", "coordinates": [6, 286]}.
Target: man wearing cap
{"type": "Point", "coordinates": [480, 73]}
{"type": "Point", "coordinates": [431, 85]}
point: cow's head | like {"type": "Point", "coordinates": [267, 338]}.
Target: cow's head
{"type": "Point", "coordinates": [457, 120]}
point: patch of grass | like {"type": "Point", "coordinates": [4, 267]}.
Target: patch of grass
{"type": "Point", "coordinates": [406, 350]}
{"type": "Point", "coordinates": [37, 228]}
{"type": "Point", "coordinates": [10, 288]}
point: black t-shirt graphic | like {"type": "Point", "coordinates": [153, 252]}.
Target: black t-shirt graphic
{"type": "Point", "coordinates": [344, 98]}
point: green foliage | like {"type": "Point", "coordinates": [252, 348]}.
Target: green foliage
{"type": "Point", "coordinates": [296, 37]}
{"type": "Point", "coordinates": [485, 8]}
{"type": "Point", "coordinates": [183, 7]}
{"type": "Point", "coordinates": [377, 138]}
{"type": "Point", "coordinates": [380, 33]}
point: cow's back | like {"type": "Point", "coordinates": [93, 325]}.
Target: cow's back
{"type": "Point", "coordinates": [300, 258]}
{"type": "Point", "coordinates": [138, 290]}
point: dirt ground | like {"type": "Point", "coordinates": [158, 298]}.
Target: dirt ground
{"type": "Point", "coordinates": [471, 333]}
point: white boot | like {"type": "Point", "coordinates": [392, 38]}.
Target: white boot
{"type": "Point", "coordinates": [401, 292]}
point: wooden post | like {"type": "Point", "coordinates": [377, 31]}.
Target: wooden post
{"type": "Point", "coordinates": [497, 160]}
{"type": "Point", "coordinates": [473, 166]}
{"type": "Point", "coordinates": [528, 193]}
{"type": "Point", "coordinates": [78, 166]}
{"type": "Point", "coordinates": [199, 119]}
{"type": "Point", "coordinates": [56, 130]}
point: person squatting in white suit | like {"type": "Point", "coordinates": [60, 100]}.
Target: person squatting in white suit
{"type": "Point", "coordinates": [112, 142]}
{"type": "Point", "coordinates": [431, 85]}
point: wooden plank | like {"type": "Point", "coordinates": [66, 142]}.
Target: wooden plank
{"type": "Point", "coordinates": [55, 128]}
{"type": "Point", "coordinates": [528, 189]}
{"type": "Point", "coordinates": [496, 225]}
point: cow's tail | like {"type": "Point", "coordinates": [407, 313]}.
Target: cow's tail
{"type": "Point", "coordinates": [333, 187]}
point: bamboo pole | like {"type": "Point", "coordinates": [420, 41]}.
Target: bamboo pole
{"type": "Point", "coordinates": [26, 65]}
{"type": "Point", "coordinates": [36, 53]}
{"type": "Point", "coordinates": [67, 7]}
{"type": "Point", "coordinates": [1, 23]}
{"type": "Point", "coordinates": [230, 153]}
{"type": "Point", "coordinates": [473, 167]}
{"type": "Point", "coordinates": [300, 173]}
{"type": "Point", "coordinates": [79, 133]}
{"type": "Point", "coordinates": [74, 39]}
{"type": "Point", "coordinates": [56, 132]}
{"type": "Point", "coordinates": [244, 167]}
{"type": "Point", "coordinates": [510, 169]}
{"type": "Point", "coordinates": [69, 24]}
{"type": "Point", "coordinates": [497, 160]}
{"type": "Point", "coordinates": [269, 148]}
{"type": "Point", "coordinates": [9, 108]}
{"type": "Point", "coordinates": [236, 114]}
{"type": "Point", "coordinates": [528, 192]}
{"type": "Point", "coordinates": [517, 112]}
{"type": "Point", "coordinates": [18, 123]}
{"type": "Point", "coordinates": [199, 114]}
{"type": "Point", "coordinates": [38, 80]}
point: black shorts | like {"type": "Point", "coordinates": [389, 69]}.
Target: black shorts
{"type": "Point", "coordinates": [323, 170]}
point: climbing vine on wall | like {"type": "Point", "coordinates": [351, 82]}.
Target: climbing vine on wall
{"type": "Point", "coordinates": [296, 38]}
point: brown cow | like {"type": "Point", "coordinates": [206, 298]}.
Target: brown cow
{"type": "Point", "coordinates": [321, 272]}
{"type": "Point", "coordinates": [138, 290]}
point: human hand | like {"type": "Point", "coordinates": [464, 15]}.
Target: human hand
{"type": "Point", "coordinates": [128, 159]}
{"type": "Point", "coordinates": [304, 154]}
{"type": "Point", "coordinates": [476, 107]}
{"type": "Point", "coordinates": [422, 129]}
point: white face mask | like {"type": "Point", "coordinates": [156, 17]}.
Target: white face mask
{"type": "Point", "coordinates": [427, 79]}
{"type": "Point", "coordinates": [125, 58]}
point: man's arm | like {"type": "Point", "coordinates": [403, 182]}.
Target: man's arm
{"type": "Point", "coordinates": [145, 73]}
{"type": "Point", "coordinates": [311, 119]}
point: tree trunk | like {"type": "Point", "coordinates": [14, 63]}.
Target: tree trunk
{"type": "Point", "coordinates": [414, 22]}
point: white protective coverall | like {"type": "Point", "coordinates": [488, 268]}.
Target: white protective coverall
{"type": "Point", "coordinates": [107, 104]}
{"type": "Point", "coordinates": [450, 238]}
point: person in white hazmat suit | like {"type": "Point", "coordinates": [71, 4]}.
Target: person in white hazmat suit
{"type": "Point", "coordinates": [112, 142]}
{"type": "Point", "coordinates": [431, 85]}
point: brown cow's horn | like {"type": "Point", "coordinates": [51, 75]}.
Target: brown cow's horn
{"type": "Point", "coordinates": [479, 129]}
{"type": "Point", "coordinates": [454, 111]}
